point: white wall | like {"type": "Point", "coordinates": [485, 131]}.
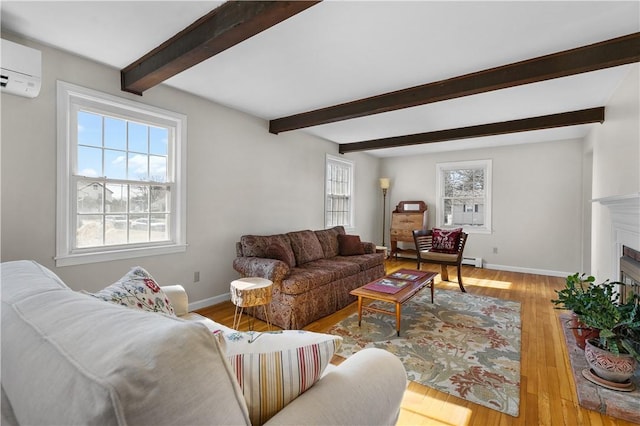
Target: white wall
{"type": "Point", "coordinates": [537, 196]}
{"type": "Point", "coordinates": [241, 180]}
{"type": "Point", "coordinates": [616, 167]}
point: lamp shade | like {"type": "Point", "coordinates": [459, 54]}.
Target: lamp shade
{"type": "Point", "coordinates": [384, 183]}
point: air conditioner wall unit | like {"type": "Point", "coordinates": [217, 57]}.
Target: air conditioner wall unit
{"type": "Point", "coordinates": [21, 69]}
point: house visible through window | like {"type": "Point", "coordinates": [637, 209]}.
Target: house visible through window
{"type": "Point", "coordinates": [464, 195]}
{"type": "Point", "coordinates": [120, 192]}
{"type": "Point", "coordinates": [339, 192]}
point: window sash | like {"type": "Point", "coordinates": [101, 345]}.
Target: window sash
{"type": "Point", "coordinates": [338, 192]}
{"type": "Point", "coordinates": [464, 195]}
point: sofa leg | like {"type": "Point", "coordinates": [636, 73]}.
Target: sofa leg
{"type": "Point", "coordinates": [460, 279]}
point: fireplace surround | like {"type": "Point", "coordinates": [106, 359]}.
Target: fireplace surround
{"type": "Point", "coordinates": [629, 273]}
{"type": "Point", "coordinates": [624, 211]}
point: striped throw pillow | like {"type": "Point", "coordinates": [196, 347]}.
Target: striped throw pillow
{"type": "Point", "coordinates": [277, 367]}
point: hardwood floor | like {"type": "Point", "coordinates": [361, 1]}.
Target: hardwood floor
{"type": "Point", "coordinates": [547, 391]}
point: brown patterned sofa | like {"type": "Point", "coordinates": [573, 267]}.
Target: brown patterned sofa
{"type": "Point", "coordinates": [312, 271]}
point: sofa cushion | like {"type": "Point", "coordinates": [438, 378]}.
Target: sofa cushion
{"type": "Point", "coordinates": [279, 252]}
{"type": "Point", "coordinates": [445, 240]}
{"type": "Point", "coordinates": [365, 261]}
{"type": "Point", "coordinates": [122, 366]}
{"type": "Point", "coordinates": [338, 268]}
{"type": "Point", "coordinates": [276, 368]}
{"type": "Point", "coordinates": [329, 240]}
{"type": "Point", "coordinates": [256, 245]}
{"type": "Point", "coordinates": [350, 245]}
{"type": "Point", "coordinates": [306, 246]}
{"type": "Point", "coordinates": [301, 280]}
{"type": "Point", "coordinates": [138, 290]}
{"type": "Point", "coordinates": [40, 279]}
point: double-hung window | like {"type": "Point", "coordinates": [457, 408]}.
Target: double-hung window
{"type": "Point", "coordinates": [121, 183]}
{"type": "Point", "coordinates": [338, 192]}
{"type": "Point", "coordinates": [464, 195]}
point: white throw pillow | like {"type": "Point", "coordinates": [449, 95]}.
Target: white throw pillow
{"type": "Point", "coordinates": [277, 367]}
{"type": "Point", "coordinates": [137, 289]}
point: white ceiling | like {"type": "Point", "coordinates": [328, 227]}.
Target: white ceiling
{"type": "Point", "coordinates": [339, 51]}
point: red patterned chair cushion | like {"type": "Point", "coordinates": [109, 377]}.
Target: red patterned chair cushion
{"type": "Point", "coordinates": [446, 240]}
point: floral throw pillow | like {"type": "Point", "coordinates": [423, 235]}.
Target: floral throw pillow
{"type": "Point", "coordinates": [137, 289]}
{"type": "Point", "coordinates": [445, 240]}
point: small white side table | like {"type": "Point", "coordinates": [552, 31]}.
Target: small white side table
{"type": "Point", "coordinates": [250, 292]}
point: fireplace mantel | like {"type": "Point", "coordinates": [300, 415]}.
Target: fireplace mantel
{"type": "Point", "coordinates": [625, 223]}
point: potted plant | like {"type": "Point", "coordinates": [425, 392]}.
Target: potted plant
{"type": "Point", "coordinates": [576, 297]}
{"type": "Point", "coordinates": [613, 356]}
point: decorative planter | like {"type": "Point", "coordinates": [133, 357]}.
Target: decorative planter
{"type": "Point", "coordinates": [611, 367]}
{"type": "Point", "coordinates": [581, 332]}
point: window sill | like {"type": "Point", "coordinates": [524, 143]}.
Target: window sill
{"type": "Point", "coordinates": [468, 229]}
{"type": "Point", "coordinates": [107, 256]}
{"type": "Point", "coordinates": [472, 230]}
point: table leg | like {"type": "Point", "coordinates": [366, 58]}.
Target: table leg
{"type": "Point", "coordinates": [359, 310]}
{"type": "Point", "coordinates": [266, 314]}
{"type": "Point", "coordinates": [433, 284]}
{"type": "Point", "coordinates": [398, 315]}
{"type": "Point", "coordinates": [237, 318]}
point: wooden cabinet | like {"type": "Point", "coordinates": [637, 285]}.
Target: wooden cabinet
{"type": "Point", "coordinates": [407, 216]}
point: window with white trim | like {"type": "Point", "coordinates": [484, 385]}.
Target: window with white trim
{"type": "Point", "coordinates": [464, 195]}
{"type": "Point", "coordinates": [121, 183]}
{"type": "Point", "coordinates": [338, 192]}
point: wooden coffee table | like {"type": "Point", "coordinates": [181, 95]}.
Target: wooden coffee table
{"type": "Point", "coordinates": [398, 298]}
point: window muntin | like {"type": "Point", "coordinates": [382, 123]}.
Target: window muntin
{"type": "Point", "coordinates": [120, 189]}
{"type": "Point", "coordinates": [464, 195]}
{"type": "Point", "coordinates": [338, 192]}
{"type": "Point", "coordinates": [121, 167]}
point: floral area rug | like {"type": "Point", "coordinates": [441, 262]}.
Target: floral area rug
{"type": "Point", "coordinates": [463, 345]}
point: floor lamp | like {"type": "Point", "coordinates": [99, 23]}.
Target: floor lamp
{"type": "Point", "coordinates": [384, 184]}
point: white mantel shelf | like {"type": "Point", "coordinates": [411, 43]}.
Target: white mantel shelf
{"type": "Point", "coordinates": [618, 199]}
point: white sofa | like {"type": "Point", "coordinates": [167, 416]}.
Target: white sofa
{"type": "Point", "coordinates": [69, 358]}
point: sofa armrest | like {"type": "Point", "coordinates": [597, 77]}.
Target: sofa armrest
{"type": "Point", "coordinates": [369, 248]}
{"type": "Point", "coordinates": [351, 394]}
{"type": "Point", "coordinates": [178, 297]}
{"type": "Point", "coordinates": [271, 269]}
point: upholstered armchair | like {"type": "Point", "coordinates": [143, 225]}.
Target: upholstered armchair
{"type": "Point", "coordinates": [437, 250]}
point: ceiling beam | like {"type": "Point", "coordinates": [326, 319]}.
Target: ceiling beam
{"type": "Point", "coordinates": [585, 116]}
{"type": "Point", "coordinates": [611, 53]}
{"type": "Point", "coordinates": [224, 27]}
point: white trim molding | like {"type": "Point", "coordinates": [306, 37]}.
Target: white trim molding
{"type": "Point", "coordinates": [70, 99]}
{"type": "Point", "coordinates": [625, 224]}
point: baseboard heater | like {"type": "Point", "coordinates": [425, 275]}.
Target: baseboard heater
{"type": "Point", "coordinates": [473, 261]}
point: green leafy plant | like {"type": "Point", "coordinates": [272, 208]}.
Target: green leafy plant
{"type": "Point", "coordinates": [597, 306]}
{"type": "Point", "coordinates": [619, 323]}
{"type": "Point", "coordinates": [575, 296]}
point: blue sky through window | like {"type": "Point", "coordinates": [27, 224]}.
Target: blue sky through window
{"type": "Point", "coordinates": [121, 149]}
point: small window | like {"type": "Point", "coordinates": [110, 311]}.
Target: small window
{"type": "Point", "coordinates": [338, 192]}
{"type": "Point", "coordinates": [464, 195]}
{"type": "Point", "coordinates": [121, 192]}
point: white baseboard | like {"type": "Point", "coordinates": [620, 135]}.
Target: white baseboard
{"type": "Point", "coordinates": [209, 302]}
{"type": "Point", "coordinates": [527, 270]}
